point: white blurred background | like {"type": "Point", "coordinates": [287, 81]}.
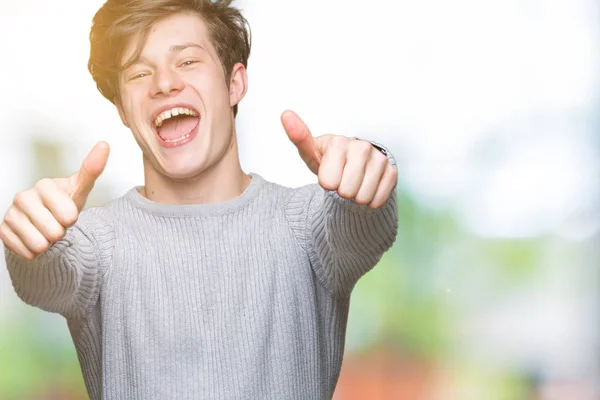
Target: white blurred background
{"type": "Point", "coordinates": [492, 111]}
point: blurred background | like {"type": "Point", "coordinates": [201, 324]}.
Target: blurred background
{"type": "Point", "coordinates": [492, 110]}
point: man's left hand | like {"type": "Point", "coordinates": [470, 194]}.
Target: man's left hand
{"type": "Point", "coordinates": [353, 168]}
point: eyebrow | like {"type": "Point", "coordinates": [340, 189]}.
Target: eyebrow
{"type": "Point", "coordinates": [173, 49]}
{"type": "Point", "coordinates": [180, 47]}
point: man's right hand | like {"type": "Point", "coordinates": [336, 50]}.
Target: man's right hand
{"type": "Point", "coordinates": [40, 216]}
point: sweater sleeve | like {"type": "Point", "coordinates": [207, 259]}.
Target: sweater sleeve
{"type": "Point", "coordinates": [66, 279]}
{"type": "Point", "coordinates": [343, 239]}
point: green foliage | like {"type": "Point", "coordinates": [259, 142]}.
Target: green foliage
{"type": "Point", "coordinates": [36, 358]}
{"type": "Point", "coordinates": [407, 301]}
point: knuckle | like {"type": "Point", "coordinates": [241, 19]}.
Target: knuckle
{"type": "Point", "coordinates": [366, 147]}
{"type": "Point", "coordinates": [345, 193]}
{"type": "Point", "coordinates": [43, 184]}
{"type": "Point", "coordinates": [3, 232]}
{"type": "Point", "coordinates": [362, 147]}
{"type": "Point", "coordinates": [394, 174]}
{"type": "Point", "coordinates": [380, 158]}
{"type": "Point", "coordinates": [69, 216]}
{"type": "Point", "coordinates": [339, 140]}
{"type": "Point", "coordinates": [361, 198]}
{"type": "Point", "coordinates": [56, 234]}
{"type": "Point", "coordinates": [11, 215]}
{"type": "Point", "coordinates": [39, 246]}
{"type": "Point", "coordinates": [327, 180]}
{"type": "Point", "coordinates": [374, 205]}
{"type": "Point", "coordinates": [327, 184]}
{"type": "Point", "coordinates": [21, 198]}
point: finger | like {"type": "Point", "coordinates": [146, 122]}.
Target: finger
{"type": "Point", "coordinates": [359, 154]}
{"type": "Point", "coordinates": [332, 166]}
{"type": "Point", "coordinates": [13, 243]}
{"type": "Point", "coordinates": [386, 186]}
{"type": "Point", "coordinates": [18, 222]}
{"type": "Point", "coordinates": [91, 168]}
{"type": "Point", "coordinates": [55, 199]}
{"type": "Point", "coordinates": [300, 136]}
{"type": "Point", "coordinates": [31, 205]}
{"type": "Point", "coordinates": [374, 172]}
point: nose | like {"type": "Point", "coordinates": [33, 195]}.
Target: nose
{"type": "Point", "coordinates": [166, 83]}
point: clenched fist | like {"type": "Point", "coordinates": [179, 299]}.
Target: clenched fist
{"type": "Point", "coordinates": [353, 168]}
{"type": "Point", "coordinates": [40, 216]}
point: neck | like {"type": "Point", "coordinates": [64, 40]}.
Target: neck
{"type": "Point", "coordinates": [220, 182]}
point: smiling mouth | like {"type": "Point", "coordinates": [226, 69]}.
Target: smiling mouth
{"type": "Point", "coordinates": [177, 124]}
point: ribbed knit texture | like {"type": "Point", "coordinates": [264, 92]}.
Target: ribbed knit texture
{"type": "Point", "coordinates": [245, 299]}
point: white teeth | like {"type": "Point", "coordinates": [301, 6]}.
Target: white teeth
{"type": "Point", "coordinates": [173, 113]}
{"type": "Point", "coordinates": [178, 139]}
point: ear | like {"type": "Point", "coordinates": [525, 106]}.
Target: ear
{"type": "Point", "coordinates": [121, 112]}
{"type": "Point", "coordinates": [238, 85]}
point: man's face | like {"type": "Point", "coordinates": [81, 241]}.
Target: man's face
{"type": "Point", "coordinates": [175, 99]}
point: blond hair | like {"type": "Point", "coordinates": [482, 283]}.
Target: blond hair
{"type": "Point", "coordinates": [117, 22]}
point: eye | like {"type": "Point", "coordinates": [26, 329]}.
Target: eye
{"type": "Point", "coordinates": [138, 76]}
{"type": "Point", "coordinates": [188, 63]}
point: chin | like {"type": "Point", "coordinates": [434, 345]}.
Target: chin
{"type": "Point", "coordinates": [181, 171]}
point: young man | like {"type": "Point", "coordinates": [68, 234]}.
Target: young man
{"type": "Point", "coordinates": [205, 282]}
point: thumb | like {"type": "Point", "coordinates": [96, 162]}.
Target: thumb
{"type": "Point", "coordinates": [90, 170]}
{"type": "Point", "coordinates": [300, 135]}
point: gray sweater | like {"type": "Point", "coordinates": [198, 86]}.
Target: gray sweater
{"type": "Point", "coordinates": [245, 299]}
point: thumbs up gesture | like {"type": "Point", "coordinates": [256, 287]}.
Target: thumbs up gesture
{"type": "Point", "coordinates": [40, 216]}
{"type": "Point", "coordinates": [353, 168]}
